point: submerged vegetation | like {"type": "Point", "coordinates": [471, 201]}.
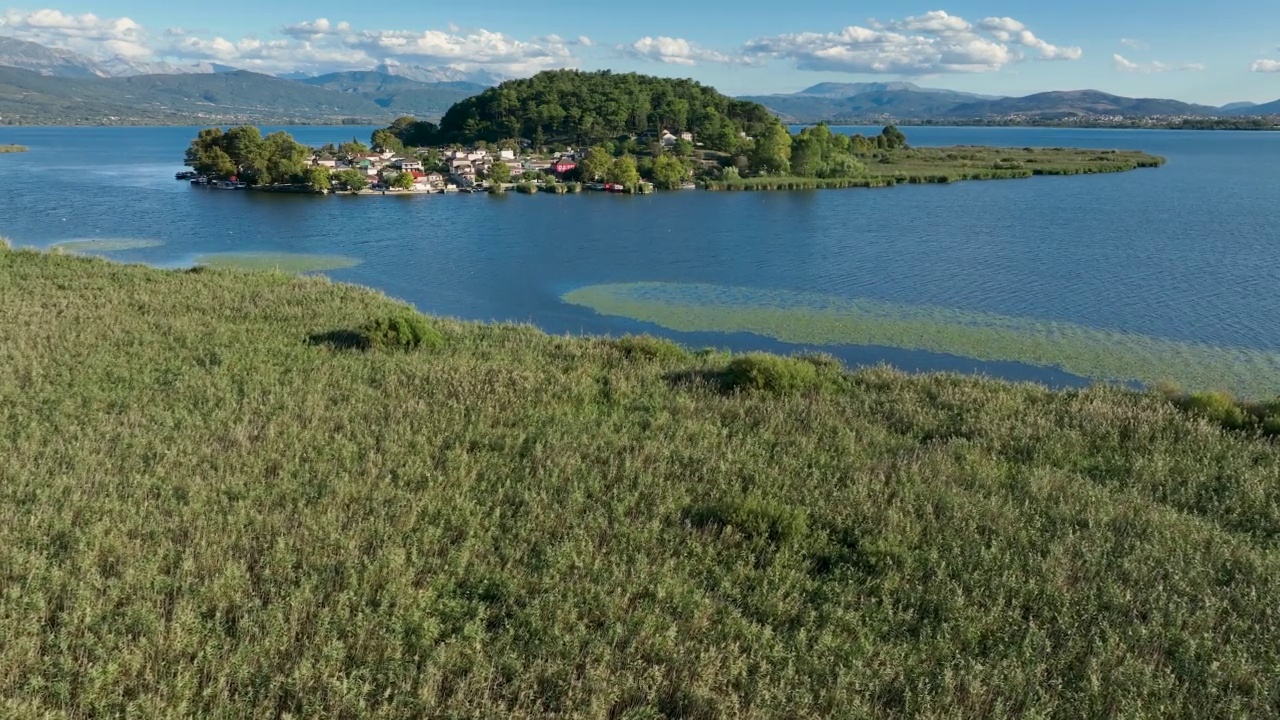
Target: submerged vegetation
{"type": "Point", "coordinates": [216, 504]}
{"type": "Point", "coordinates": [281, 261]}
{"type": "Point", "coordinates": [105, 245]}
{"type": "Point", "coordinates": [807, 318]}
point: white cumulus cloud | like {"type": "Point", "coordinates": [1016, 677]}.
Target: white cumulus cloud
{"type": "Point", "coordinates": [86, 33]}
{"type": "Point", "coordinates": [935, 42]}
{"type": "Point", "coordinates": [317, 45]}
{"type": "Point", "coordinates": [674, 51]}
{"type": "Point", "coordinates": [1265, 66]}
{"type": "Point", "coordinates": [1123, 64]}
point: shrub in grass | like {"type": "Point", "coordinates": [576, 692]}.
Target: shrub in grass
{"type": "Point", "coordinates": [1271, 426]}
{"type": "Point", "coordinates": [752, 517]}
{"type": "Point", "coordinates": [403, 331]}
{"type": "Point", "coordinates": [1220, 407]}
{"type": "Point", "coordinates": [772, 373]}
{"type": "Point", "coordinates": [649, 347]}
{"type": "Point", "coordinates": [824, 362]}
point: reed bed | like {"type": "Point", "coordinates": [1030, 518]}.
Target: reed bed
{"type": "Point", "coordinates": [214, 504]}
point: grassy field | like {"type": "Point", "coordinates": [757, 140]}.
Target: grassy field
{"type": "Point", "coordinates": [213, 503]}
{"type": "Point", "coordinates": [953, 164]}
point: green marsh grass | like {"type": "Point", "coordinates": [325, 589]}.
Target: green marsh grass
{"type": "Point", "coordinates": [827, 320]}
{"type": "Point", "coordinates": [915, 166]}
{"type": "Point", "coordinates": [205, 514]}
{"type": "Point", "coordinates": [296, 263]}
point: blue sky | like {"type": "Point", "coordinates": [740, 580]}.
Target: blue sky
{"type": "Point", "coordinates": [1217, 53]}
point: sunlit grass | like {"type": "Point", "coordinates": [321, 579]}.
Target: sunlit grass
{"type": "Point", "coordinates": [296, 263]}
{"type": "Point", "coordinates": [827, 320]}
{"type": "Point", "coordinates": [105, 245]}
{"type": "Point", "coordinates": [215, 504]}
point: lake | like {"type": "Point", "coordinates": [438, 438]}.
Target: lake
{"type": "Point", "coordinates": [1182, 259]}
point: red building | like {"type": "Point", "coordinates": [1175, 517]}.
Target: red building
{"type": "Point", "coordinates": [560, 167]}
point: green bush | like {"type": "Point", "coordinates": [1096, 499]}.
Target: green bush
{"type": "Point", "coordinates": [1271, 426]}
{"type": "Point", "coordinates": [1219, 407]}
{"type": "Point", "coordinates": [649, 347]}
{"type": "Point", "coordinates": [405, 331]}
{"type": "Point", "coordinates": [753, 517]}
{"type": "Point", "coordinates": [772, 373]}
{"type": "Point", "coordinates": [824, 362]}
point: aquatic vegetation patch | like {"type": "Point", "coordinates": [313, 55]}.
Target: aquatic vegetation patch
{"type": "Point", "coordinates": [13, 149]}
{"type": "Point", "coordinates": [105, 245]}
{"type": "Point", "coordinates": [284, 262]}
{"type": "Point", "coordinates": [807, 318]}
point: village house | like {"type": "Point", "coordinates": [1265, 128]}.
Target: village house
{"type": "Point", "coordinates": [563, 165]}
{"type": "Point", "coordinates": [408, 164]}
{"type": "Point", "coordinates": [507, 155]}
{"type": "Point", "coordinates": [324, 161]}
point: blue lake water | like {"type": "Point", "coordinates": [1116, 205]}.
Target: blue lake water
{"type": "Point", "coordinates": [1188, 252]}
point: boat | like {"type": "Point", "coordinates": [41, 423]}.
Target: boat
{"type": "Point", "coordinates": [185, 175]}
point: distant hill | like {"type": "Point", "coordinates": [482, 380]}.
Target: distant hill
{"type": "Point", "coordinates": [854, 102]}
{"type": "Point", "coordinates": [240, 96]}
{"type": "Point", "coordinates": [1076, 103]}
{"type": "Point", "coordinates": [398, 94]}
{"type": "Point", "coordinates": [838, 101]}
{"type": "Point", "coordinates": [1271, 108]}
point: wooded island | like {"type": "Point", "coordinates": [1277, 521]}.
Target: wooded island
{"type": "Point", "coordinates": [563, 130]}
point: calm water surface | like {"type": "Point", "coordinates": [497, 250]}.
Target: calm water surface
{"type": "Point", "coordinates": [1189, 252]}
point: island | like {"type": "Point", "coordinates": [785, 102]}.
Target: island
{"type": "Point", "coordinates": [564, 131]}
{"type": "Point", "coordinates": [13, 149]}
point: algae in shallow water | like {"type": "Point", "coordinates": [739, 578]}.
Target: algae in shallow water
{"type": "Point", "coordinates": [105, 245]}
{"type": "Point", "coordinates": [807, 318]}
{"type": "Point", "coordinates": [284, 262]}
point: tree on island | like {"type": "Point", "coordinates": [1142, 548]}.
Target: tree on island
{"type": "Point", "coordinates": [403, 181]}
{"type": "Point", "coordinates": [595, 164]}
{"type": "Point", "coordinates": [668, 173]}
{"type": "Point", "coordinates": [351, 180]}
{"type": "Point", "coordinates": [499, 173]}
{"type": "Point", "coordinates": [623, 172]}
{"type": "Point", "coordinates": [771, 154]}
{"type": "Point", "coordinates": [386, 139]}
{"type": "Point", "coordinates": [319, 178]}
{"type": "Point", "coordinates": [244, 153]}
{"type": "Point", "coordinates": [355, 147]}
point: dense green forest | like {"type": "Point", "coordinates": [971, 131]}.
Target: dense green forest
{"type": "Point", "coordinates": [583, 108]}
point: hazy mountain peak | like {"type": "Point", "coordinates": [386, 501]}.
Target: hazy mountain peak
{"type": "Point", "coordinates": [844, 90]}
{"type": "Point", "coordinates": [438, 74]}
{"type": "Point", "coordinates": [47, 61]}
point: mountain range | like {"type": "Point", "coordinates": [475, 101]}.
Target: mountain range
{"type": "Point", "coordinates": [902, 101]}
{"type": "Point", "coordinates": [27, 97]}
{"type": "Point", "coordinates": [41, 84]}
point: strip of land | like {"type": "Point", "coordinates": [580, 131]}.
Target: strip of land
{"type": "Point", "coordinates": [13, 148]}
{"type": "Point", "coordinates": [219, 498]}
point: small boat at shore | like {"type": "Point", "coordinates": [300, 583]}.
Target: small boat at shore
{"type": "Point", "coordinates": [186, 175]}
